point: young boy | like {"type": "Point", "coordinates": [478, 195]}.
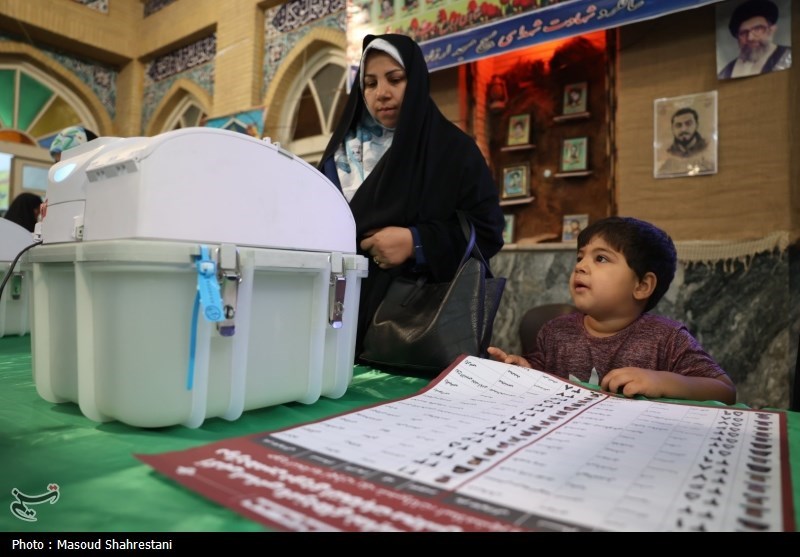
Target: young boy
{"type": "Point", "coordinates": [624, 267]}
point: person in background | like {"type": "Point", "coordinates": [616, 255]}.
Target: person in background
{"type": "Point", "coordinates": [67, 139]}
{"type": "Point", "coordinates": [753, 24]}
{"type": "Point", "coordinates": [24, 210]}
{"type": "Point", "coordinates": [624, 267]}
{"type": "Point", "coordinates": [405, 171]}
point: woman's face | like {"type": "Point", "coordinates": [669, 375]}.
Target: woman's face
{"type": "Point", "coordinates": [384, 87]}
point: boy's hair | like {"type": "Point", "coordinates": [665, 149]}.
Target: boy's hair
{"type": "Point", "coordinates": [646, 248]}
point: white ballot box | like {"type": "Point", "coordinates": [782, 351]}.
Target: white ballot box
{"type": "Point", "coordinates": [195, 274]}
{"type": "Point", "coordinates": [16, 296]}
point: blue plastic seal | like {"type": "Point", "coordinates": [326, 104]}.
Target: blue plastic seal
{"type": "Point", "coordinates": [208, 287]}
{"type": "Point", "coordinates": [208, 297]}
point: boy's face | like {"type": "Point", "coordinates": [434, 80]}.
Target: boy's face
{"type": "Point", "coordinates": [602, 284]}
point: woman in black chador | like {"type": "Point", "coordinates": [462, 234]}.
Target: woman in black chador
{"type": "Point", "coordinates": [405, 170]}
{"type": "Point", "coordinates": [24, 210]}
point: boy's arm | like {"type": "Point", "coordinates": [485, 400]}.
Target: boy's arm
{"type": "Point", "coordinates": [632, 381]}
{"type": "Point", "coordinates": [688, 373]}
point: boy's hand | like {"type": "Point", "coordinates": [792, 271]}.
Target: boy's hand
{"type": "Point", "coordinates": [499, 356]}
{"type": "Point", "coordinates": [632, 381]}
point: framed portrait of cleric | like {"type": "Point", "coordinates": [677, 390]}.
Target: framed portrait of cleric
{"type": "Point", "coordinates": [685, 137]}
{"type": "Point", "coordinates": [754, 37]}
{"type": "Point", "coordinates": [516, 181]}
{"type": "Point", "coordinates": [519, 130]}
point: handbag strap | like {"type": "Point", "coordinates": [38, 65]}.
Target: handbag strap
{"type": "Point", "coordinates": [472, 245]}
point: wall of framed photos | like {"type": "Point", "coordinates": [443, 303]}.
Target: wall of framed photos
{"type": "Point", "coordinates": [754, 192]}
{"type": "Point", "coordinates": [548, 138]}
{"type": "Point", "coordinates": [736, 229]}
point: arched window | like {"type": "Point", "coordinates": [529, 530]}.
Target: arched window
{"type": "Point", "coordinates": [187, 114]}
{"type": "Point", "coordinates": [33, 108]}
{"type": "Point", "coordinates": [315, 102]}
{"type": "Point", "coordinates": [185, 105]}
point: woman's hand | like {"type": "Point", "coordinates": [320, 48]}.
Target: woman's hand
{"type": "Point", "coordinates": [390, 246]}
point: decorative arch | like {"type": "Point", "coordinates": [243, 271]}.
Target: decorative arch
{"type": "Point", "coordinates": [86, 103]}
{"type": "Point", "coordinates": [178, 96]}
{"type": "Point", "coordinates": [39, 99]}
{"type": "Point", "coordinates": [320, 47]}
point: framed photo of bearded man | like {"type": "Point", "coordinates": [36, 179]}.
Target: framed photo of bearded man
{"type": "Point", "coordinates": [685, 138]}
{"type": "Point", "coordinates": [754, 37]}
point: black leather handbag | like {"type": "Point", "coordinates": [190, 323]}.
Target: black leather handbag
{"type": "Point", "coordinates": [424, 326]}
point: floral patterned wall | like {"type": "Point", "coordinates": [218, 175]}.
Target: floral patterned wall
{"type": "Point", "coordinates": [285, 25]}
{"type": "Point", "coordinates": [194, 62]}
{"type": "Point", "coordinates": [152, 6]}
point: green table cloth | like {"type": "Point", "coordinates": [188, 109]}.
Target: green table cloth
{"type": "Point", "coordinates": [103, 488]}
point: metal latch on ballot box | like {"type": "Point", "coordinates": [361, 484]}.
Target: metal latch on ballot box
{"type": "Point", "coordinates": [338, 283]}
{"type": "Point", "coordinates": [229, 277]}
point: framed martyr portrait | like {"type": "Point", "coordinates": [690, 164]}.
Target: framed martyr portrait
{"type": "Point", "coordinates": [575, 98]}
{"type": "Point", "coordinates": [516, 181]}
{"type": "Point", "coordinates": [508, 229]}
{"type": "Point", "coordinates": [573, 154]}
{"type": "Point", "coordinates": [572, 226]}
{"type": "Point", "coordinates": [686, 138]}
{"type": "Point", "coordinates": [519, 130]}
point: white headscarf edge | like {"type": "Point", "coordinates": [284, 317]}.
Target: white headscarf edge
{"type": "Point", "coordinates": [384, 46]}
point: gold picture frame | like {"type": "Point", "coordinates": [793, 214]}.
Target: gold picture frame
{"type": "Point", "coordinates": [519, 130]}
{"type": "Point", "coordinates": [574, 154]}
{"type": "Point", "coordinates": [575, 98]}
{"type": "Point", "coordinates": [516, 181]}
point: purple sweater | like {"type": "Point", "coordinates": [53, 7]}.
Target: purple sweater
{"type": "Point", "coordinates": [565, 348]}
